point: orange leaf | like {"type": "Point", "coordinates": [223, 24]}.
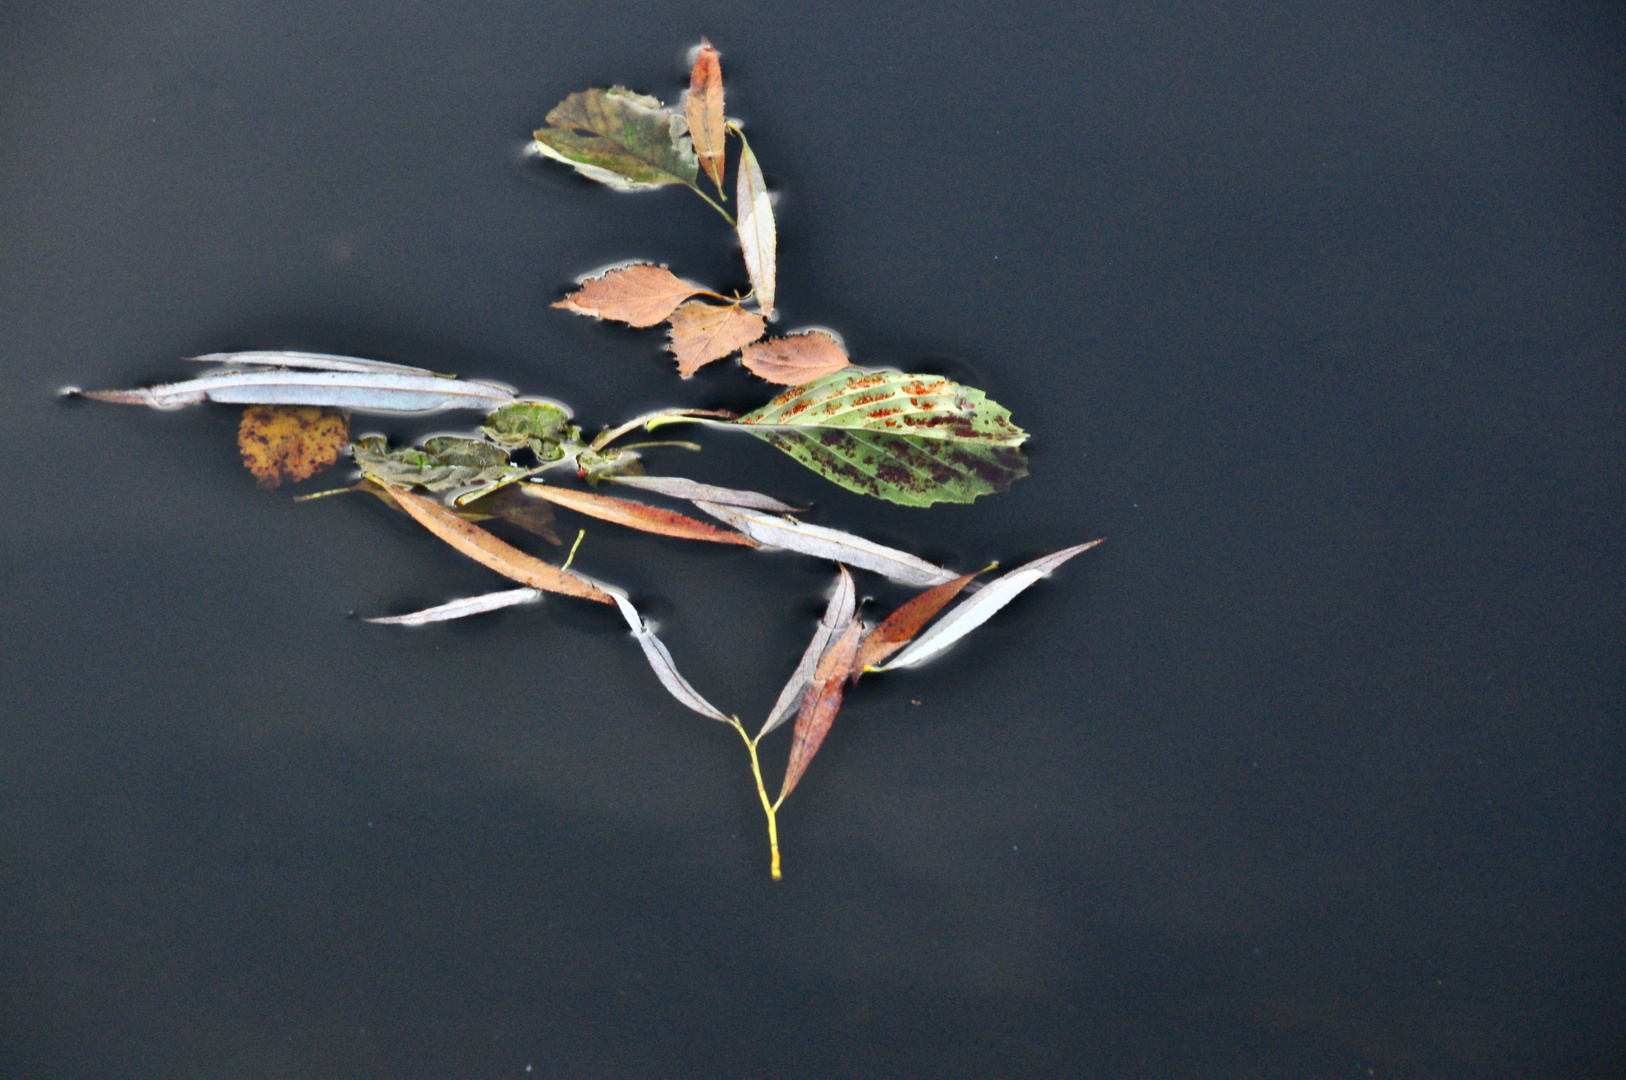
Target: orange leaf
{"type": "Point", "coordinates": [797, 359]}
{"type": "Point", "coordinates": [488, 551]}
{"type": "Point", "coordinates": [639, 295]}
{"type": "Point", "coordinates": [820, 703]}
{"type": "Point", "coordinates": [704, 108]}
{"type": "Point", "coordinates": [702, 333]}
{"type": "Point", "coordinates": [900, 627]}
{"type": "Point", "coordinates": [290, 442]}
{"type": "Point", "coordinates": [636, 515]}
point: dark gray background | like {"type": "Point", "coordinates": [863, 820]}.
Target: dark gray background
{"type": "Point", "coordinates": [1314, 769]}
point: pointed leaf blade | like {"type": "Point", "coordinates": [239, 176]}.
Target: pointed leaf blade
{"type": "Point", "coordinates": [820, 703]}
{"type": "Point", "coordinates": [660, 660]}
{"type": "Point", "coordinates": [756, 227]}
{"type": "Point", "coordinates": [702, 333]}
{"type": "Point", "coordinates": [898, 628]}
{"type": "Point", "coordinates": [357, 391]}
{"type": "Point", "coordinates": [832, 544]}
{"type": "Point", "coordinates": [636, 515]}
{"type": "Point", "coordinates": [491, 552]}
{"type": "Point", "coordinates": [460, 609]}
{"type": "Point", "coordinates": [838, 615]}
{"type": "Point", "coordinates": [307, 362]}
{"type": "Point", "coordinates": [676, 487]}
{"type": "Point", "coordinates": [972, 613]}
{"type": "Point", "coordinates": [704, 108]}
{"type": "Point", "coordinates": [795, 359]}
{"type": "Point", "coordinates": [641, 294]}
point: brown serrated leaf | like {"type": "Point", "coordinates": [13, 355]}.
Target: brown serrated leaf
{"type": "Point", "coordinates": [636, 515]}
{"type": "Point", "coordinates": [900, 627]}
{"type": "Point", "coordinates": [820, 703]}
{"type": "Point", "coordinates": [704, 108]}
{"type": "Point", "coordinates": [795, 359]}
{"type": "Point", "coordinates": [702, 333]}
{"type": "Point", "coordinates": [640, 295]}
{"type": "Point", "coordinates": [490, 552]}
{"type": "Point", "coordinates": [291, 442]}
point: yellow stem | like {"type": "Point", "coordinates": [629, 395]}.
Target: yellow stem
{"type": "Point", "coordinates": [762, 793]}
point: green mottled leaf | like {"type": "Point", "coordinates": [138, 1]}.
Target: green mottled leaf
{"type": "Point", "coordinates": [443, 463]}
{"type": "Point", "coordinates": [538, 424]}
{"type": "Point", "coordinates": [626, 140]}
{"type": "Point", "coordinates": [909, 439]}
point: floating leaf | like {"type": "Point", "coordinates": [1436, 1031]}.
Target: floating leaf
{"type": "Point", "coordinates": [491, 552]}
{"type": "Point", "coordinates": [838, 615]}
{"type": "Point", "coordinates": [290, 442]}
{"type": "Point", "coordinates": [639, 295]}
{"type": "Point", "coordinates": [702, 333]}
{"type": "Point", "coordinates": [458, 609]}
{"type": "Point", "coordinates": [442, 464]}
{"type": "Point", "coordinates": [661, 661]}
{"type": "Point", "coordinates": [910, 439]}
{"type": "Point", "coordinates": [974, 612]}
{"type": "Point", "coordinates": [677, 487]}
{"type": "Point", "coordinates": [541, 425]}
{"type": "Point", "coordinates": [626, 140]}
{"type": "Point", "coordinates": [829, 544]}
{"type": "Point", "coordinates": [510, 504]}
{"type": "Point", "coordinates": [358, 391]}
{"type": "Point", "coordinates": [820, 703]}
{"type": "Point", "coordinates": [308, 362]}
{"type": "Point", "coordinates": [756, 227]}
{"type": "Point", "coordinates": [900, 627]}
{"type": "Point", "coordinates": [796, 359]}
{"type": "Point", "coordinates": [635, 515]}
{"type": "Point", "coordinates": [704, 108]}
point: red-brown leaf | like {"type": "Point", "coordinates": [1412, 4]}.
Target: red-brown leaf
{"type": "Point", "coordinates": [702, 333]}
{"type": "Point", "coordinates": [705, 111]}
{"type": "Point", "coordinates": [636, 515]}
{"type": "Point", "coordinates": [797, 359]}
{"type": "Point", "coordinates": [639, 295]}
{"type": "Point", "coordinates": [900, 627]}
{"type": "Point", "coordinates": [820, 703]}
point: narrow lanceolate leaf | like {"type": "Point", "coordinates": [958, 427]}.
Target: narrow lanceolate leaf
{"type": "Point", "coordinates": [704, 108]}
{"type": "Point", "coordinates": [972, 613]}
{"type": "Point", "coordinates": [829, 544]}
{"type": "Point", "coordinates": [358, 391]}
{"type": "Point", "coordinates": [636, 515]}
{"type": "Point", "coordinates": [900, 627]}
{"type": "Point", "coordinates": [676, 487]}
{"type": "Point", "coordinates": [820, 703]}
{"type": "Point", "coordinates": [838, 615]}
{"type": "Point", "coordinates": [306, 362]}
{"type": "Point", "coordinates": [491, 552]}
{"type": "Point", "coordinates": [661, 661]}
{"type": "Point", "coordinates": [626, 140]}
{"type": "Point", "coordinates": [796, 359]}
{"type": "Point", "coordinates": [702, 333]}
{"type": "Point", "coordinates": [639, 295]}
{"type": "Point", "coordinates": [756, 227]}
{"type": "Point", "coordinates": [458, 609]}
{"type": "Point", "coordinates": [910, 439]}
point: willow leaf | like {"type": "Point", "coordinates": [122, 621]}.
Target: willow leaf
{"type": "Point", "coordinates": [661, 661]}
{"type": "Point", "coordinates": [458, 609]}
{"type": "Point", "coordinates": [832, 544]}
{"type": "Point", "coordinates": [369, 391]}
{"type": "Point", "coordinates": [838, 615]}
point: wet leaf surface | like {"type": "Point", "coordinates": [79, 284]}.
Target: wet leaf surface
{"type": "Point", "coordinates": [364, 391]}
{"type": "Point", "coordinates": [832, 544]}
{"type": "Point", "coordinates": [838, 615]}
{"type": "Point", "coordinates": [635, 515]}
{"type": "Point", "coordinates": [702, 333]}
{"type": "Point", "coordinates": [511, 505]}
{"type": "Point", "coordinates": [461, 609]}
{"type": "Point", "coordinates": [540, 425]}
{"type": "Point", "coordinates": [626, 140]}
{"type": "Point", "coordinates": [795, 359]}
{"type": "Point", "coordinates": [676, 487]}
{"type": "Point", "coordinates": [660, 661]}
{"type": "Point", "coordinates": [756, 227]}
{"type": "Point", "coordinates": [704, 108]}
{"type": "Point", "coordinates": [900, 627]}
{"type": "Point", "coordinates": [290, 442]}
{"type": "Point", "coordinates": [443, 463]}
{"type": "Point", "coordinates": [820, 703]}
{"type": "Point", "coordinates": [639, 295]}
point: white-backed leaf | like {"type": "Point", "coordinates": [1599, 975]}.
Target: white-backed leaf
{"type": "Point", "coordinates": [358, 391]}
{"type": "Point", "coordinates": [661, 661]}
{"type": "Point", "coordinates": [457, 609]}
{"type": "Point", "coordinates": [838, 615]}
{"type": "Point", "coordinates": [972, 613]}
{"type": "Point", "coordinates": [756, 227]}
{"type": "Point", "coordinates": [829, 544]}
{"type": "Point", "coordinates": [676, 487]}
{"type": "Point", "coordinates": [307, 362]}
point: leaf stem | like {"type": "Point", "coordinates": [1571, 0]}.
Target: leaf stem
{"type": "Point", "coordinates": [762, 793]}
{"type": "Point", "coordinates": [572, 556]}
{"type": "Point", "coordinates": [709, 202]}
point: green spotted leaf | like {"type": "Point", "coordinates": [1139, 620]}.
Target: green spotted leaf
{"type": "Point", "coordinates": [540, 425]}
{"type": "Point", "coordinates": [626, 140]}
{"type": "Point", "coordinates": [445, 462]}
{"type": "Point", "coordinates": [909, 439]}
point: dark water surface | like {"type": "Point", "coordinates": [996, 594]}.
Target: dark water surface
{"type": "Point", "coordinates": [1315, 769]}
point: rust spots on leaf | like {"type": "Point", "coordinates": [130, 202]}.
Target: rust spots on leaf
{"type": "Point", "coordinates": [290, 442]}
